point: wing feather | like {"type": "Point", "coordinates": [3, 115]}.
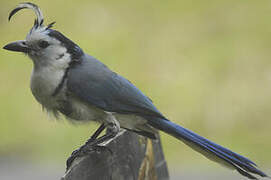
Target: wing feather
{"type": "Point", "coordinates": [92, 82]}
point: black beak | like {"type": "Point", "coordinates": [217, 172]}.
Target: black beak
{"type": "Point", "coordinates": [18, 46]}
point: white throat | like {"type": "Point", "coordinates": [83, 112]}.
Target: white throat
{"type": "Point", "coordinates": [46, 77]}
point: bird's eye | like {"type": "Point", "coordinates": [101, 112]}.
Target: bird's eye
{"type": "Point", "coordinates": [43, 44]}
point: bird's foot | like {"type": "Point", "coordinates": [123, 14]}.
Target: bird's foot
{"type": "Point", "coordinates": [85, 150]}
{"type": "Point", "coordinates": [92, 144]}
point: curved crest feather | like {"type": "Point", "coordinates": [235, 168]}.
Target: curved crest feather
{"type": "Point", "coordinates": [27, 5]}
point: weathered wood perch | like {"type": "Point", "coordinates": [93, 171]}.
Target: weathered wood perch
{"type": "Point", "coordinates": [132, 157]}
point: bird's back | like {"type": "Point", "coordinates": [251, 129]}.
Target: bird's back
{"type": "Point", "coordinates": [97, 85]}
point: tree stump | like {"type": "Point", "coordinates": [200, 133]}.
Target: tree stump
{"type": "Point", "coordinates": [126, 157]}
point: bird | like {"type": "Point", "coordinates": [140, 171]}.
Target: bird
{"type": "Point", "coordinates": [66, 80]}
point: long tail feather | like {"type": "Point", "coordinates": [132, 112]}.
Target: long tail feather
{"type": "Point", "coordinates": [209, 149]}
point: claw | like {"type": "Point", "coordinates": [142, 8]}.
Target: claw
{"type": "Point", "coordinates": [72, 157]}
{"type": "Point", "coordinates": [85, 151]}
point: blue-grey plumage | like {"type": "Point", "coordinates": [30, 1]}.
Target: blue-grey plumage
{"type": "Point", "coordinates": [96, 84]}
{"type": "Point", "coordinates": [68, 81]}
{"type": "Point", "coordinates": [101, 87]}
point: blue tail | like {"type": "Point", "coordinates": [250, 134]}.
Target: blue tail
{"type": "Point", "coordinates": [209, 149]}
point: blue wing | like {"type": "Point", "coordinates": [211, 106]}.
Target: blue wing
{"type": "Point", "coordinates": [97, 85]}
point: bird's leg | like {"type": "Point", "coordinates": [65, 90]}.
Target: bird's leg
{"type": "Point", "coordinates": [92, 143]}
{"type": "Point", "coordinates": [96, 133]}
{"type": "Point", "coordinates": [113, 128]}
{"type": "Point", "coordinates": [112, 131]}
{"type": "Point", "coordinates": [78, 151]}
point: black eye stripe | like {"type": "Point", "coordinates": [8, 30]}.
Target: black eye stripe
{"type": "Point", "coordinates": [43, 44]}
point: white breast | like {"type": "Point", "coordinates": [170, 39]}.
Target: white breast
{"type": "Point", "coordinates": [44, 81]}
{"type": "Point", "coordinates": [43, 84]}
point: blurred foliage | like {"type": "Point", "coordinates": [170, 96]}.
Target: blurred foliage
{"type": "Point", "coordinates": [205, 64]}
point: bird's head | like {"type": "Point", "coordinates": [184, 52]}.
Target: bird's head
{"type": "Point", "coordinates": [45, 46]}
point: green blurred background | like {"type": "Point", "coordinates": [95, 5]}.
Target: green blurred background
{"type": "Point", "coordinates": [205, 64]}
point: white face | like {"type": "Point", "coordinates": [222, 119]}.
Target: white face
{"type": "Point", "coordinates": [46, 51]}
